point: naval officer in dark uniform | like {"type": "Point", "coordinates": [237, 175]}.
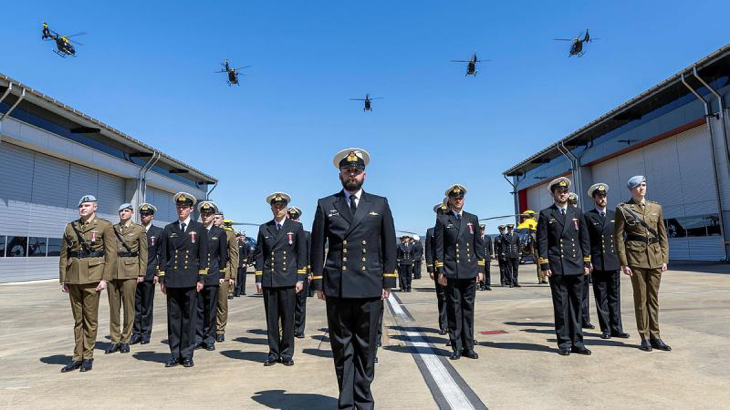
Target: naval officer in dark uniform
{"type": "Point", "coordinates": [405, 262]}
{"type": "Point", "coordinates": [281, 269]}
{"type": "Point", "coordinates": [486, 284]}
{"type": "Point", "coordinates": [438, 209]}
{"type": "Point", "coordinates": [145, 293]}
{"type": "Point", "coordinates": [499, 253]}
{"type": "Point", "coordinates": [511, 251]}
{"type": "Point", "coordinates": [183, 267]}
{"type": "Point", "coordinates": [564, 251]}
{"type": "Point", "coordinates": [460, 266]}
{"type": "Point", "coordinates": [604, 263]}
{"type": "Point", "coordinates": [356, 277]}
{"type": "Point", "coordinates": [300, 314]}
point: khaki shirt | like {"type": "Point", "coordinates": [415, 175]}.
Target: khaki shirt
{"type": "Point", "coordinates": [99, 235]}
{"type": "Point", "coordinates": [232, 265]}
{"type": "Point", "coordinates": [135, 236]}
{"type": "Point", "coordinates": [638, 254]}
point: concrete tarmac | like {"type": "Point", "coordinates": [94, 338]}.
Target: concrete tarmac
{"type": "Point", "coordinates": [518, 366]}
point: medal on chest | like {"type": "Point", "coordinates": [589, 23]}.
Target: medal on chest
{"type": "Point", "coordinates": [93, 236]}
{"type": "Point", "coordinates": [152, 240]}
{"type": "Point", "coordinates": [193, 236]}
{"type": "Point", "coordinates": [291, 237]}
{"type": "Point", "coordinates": [471, 228]}
{"type": "Point", "coordinates": [575, 223]}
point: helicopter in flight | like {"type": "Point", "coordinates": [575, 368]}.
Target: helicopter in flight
{"type": "Point", "coordinates": [576, 48]}
{"type": "Point", "coordinates": [63, 43]}
{"type": "Point", "coordinates": [471, 66]}
{"type": "Point", "coordinates": [368, 102]}
{"type": "Point", "coordinates": [232, 72]}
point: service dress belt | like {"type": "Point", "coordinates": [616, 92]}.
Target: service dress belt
{"type": "Point", "coordinates": [639, 238]}
{"type": "Point", "coordinates": [84, 254]}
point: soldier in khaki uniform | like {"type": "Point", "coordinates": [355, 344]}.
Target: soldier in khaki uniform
{"type": "Point", "coordinates": [643, 253]}
{"type": "Point", "coordinates": [131, 269]}
{"type": "Point", "coordinates": [87, 261]}
{"type": "Point", "coordinates": [231, 271]}
{"type": "Point", "coordinates": [228, 226]}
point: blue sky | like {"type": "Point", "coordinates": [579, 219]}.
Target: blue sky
{"type": "Point", "coordinates": [146, 68]}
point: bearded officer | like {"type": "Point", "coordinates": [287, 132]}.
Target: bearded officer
{"type": "Point", "coordinates": [145, 292]}
{"type": "Point", "coordinates": [229, 281]}
{"type": "Point", "coordinates": [300, 314]}
{"type": "Point", "coordinates": [357, 276]}
{"type": "Point", "coordinates": [281, 270]}
{"type": "Point", "coordinates": [438, 209]}
{"type": "Point", "coordinates": [604, 263]}
{"type": "Point", "coordinates": [460, 266]}
{"type": "Point", "coordinates": [131, 270]}
{"type": "Point", "coordinates": [205, 325]}
{"type": "Point", "coordinates": [87, 262]}
{"type": "Point", "coordinates": [643, 255]}
{"type": "Point", "coordinates": [184, 265]}
{"type": "Point", "coordinates": [564, 251]}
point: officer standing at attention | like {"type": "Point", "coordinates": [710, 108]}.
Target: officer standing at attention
{"type": "Point", "coordinates": [300, 316]}
{"type": "Point", "coordinates": [281, 270]}
{"type": "Point", "coordinates": [405, 262]}
{"type": "Point", "coordinates": [357, 276]}
{"type": "Point", "coordinates": [184, 265]}
{"type": "Point", "coordinates": [504, 279]}
{"type": "Point", "coordinates": [131, 269]}
{"type": "Point", "coordinates": [511, 251]}
{"type": "Point", "coordinates": [643, 255]}
{"type": "Point", "coordinates": [244, 250]}
{"type": "Point", "coordinates": [87, 262]}
{"type": "Point", "coordinates": [231, 269]}
{"type": "Point", "coordinates": [460, 266]}
{"type": "Point", "coordinates": [417, 256]}
{"type": "Point", "coordinates": [486, 284]}
{"type": "Point", "coordinates": [144, 296]}
{"type": "Point", "coordinates": [438, 209]}
{"type": "Point", "coordinates": [604, 263]}
{"type": "Point", "coordinates": [205, 324]}
{"type": "Point", "coordinates": [231, 234]}
{"type": "Point", "coordinates": [585, 301]}
{"type": "Point", "coordinates": [564, 250]}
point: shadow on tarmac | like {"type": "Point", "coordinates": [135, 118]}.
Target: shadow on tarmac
{"type": "Point", "coordinates": [258, 332]}
{"type": "Point", "coordinates": [414, 329]}
{"type": "Point", "coordinates": [60, 359]}
{"type": "Point", "coordinates": [258, 357]}
{"type": "Point", "coordinates": [153, 357]}
{"type": "Point", "coordinates": [319, 353]}
{"type": "Point", "coordinates": [519, 346]}
{"type": "Point", "coordinates": [539, 324]}
{"type": "Point", "coordinates": [429, 339]}
{"type": "Point", "coordinates": [279, 399]}
{"type": "Point", "coordinates": [251, 341]}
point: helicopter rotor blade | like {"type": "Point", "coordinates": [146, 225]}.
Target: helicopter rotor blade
{"type": "Point", "coordinates": [504, 216]}
{"type": "Point", "coordinates": [562, 39]}
{"type": "Point", "coordinates": [245, 224]}
{"type": "Point", "coordinates": [357, 99]}
{"type": "Point", "coordinates": [412, 233]}
{"type": "Point", "coordinates": [76, 35]}
{"type": "Point", "coordinates": [460, 61]}
{"type": "Point", "coordinates": [241, 68]}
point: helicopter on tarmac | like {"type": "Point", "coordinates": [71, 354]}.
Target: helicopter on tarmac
{"type": "Point", "coordinates": [526, 232]}
{"type": "Point", "coordinates": [471, 66]}
{"type": "Point", "coordinates": [576, 48]}
{"type": "Point", "coordinates": [232, 72]}
{"type": "Point", "coordinates": [63, 43]}
{"type": "Point", "coordinates": [368, 102]}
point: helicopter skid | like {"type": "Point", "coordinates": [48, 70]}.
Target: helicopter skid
{"type": "Point", "coordinates": [62, 54]}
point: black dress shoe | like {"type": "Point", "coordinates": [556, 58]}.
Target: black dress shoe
{"type": "Point", "coordinates": [488, 288]}
{"type": "Point", "coordinates": [448, 342]}
{"type": "Point", "coordinates": [114, 347]}
{"type": "Point", "coordinates": [230, 297]}
{"type": "Point", "coordinates": [210, 347]}
{"type": "Point", "coordinates": [658, 344]}
{"type": "Point", "coordinates": [511, 285]}
{"type": "Point", "coordinates": [124, 348]}
{"type": "Point", "coordinates": [455, 355]}
{"type": "Point", "coordinates": [220, 338]}
{"type": "Point", "coordinates": [188, 362]}
{"type": "Point", "coordinates": [71, 366]}
{"type": "Point", "coordinates": [605, 335]}
{"type": "Point", "coordinates": [645, 345]}
{"type": "Point", "coordinates": [198, 346]}
{"type": "Point", "coordinates": [620, 335]}
{"type": "Point", "coordinates": [471, 354]}
{"type": "Point", "coordinates": [564, 351]}
{"type": "Point", "coordinates": [87, 365]}
{"type": "Point", "coordinates": [517, 285]}
{"type": "Point", "coordinates": [271, 361]}
{"type": "Point", "coordinates": [442, 332]}
{"type": "Point", "coordinates": [299, 335]}
{"type": "Point", "coordinates": [589, 326]}
{"type": "Point", "coordinates": [145, 340]}
{"type": "Point", "coordinates": [376, 359]}
{"type": "Point", "coordinates": [135, 339]}
{"type": "Point", "coordinates": [287, 362]}
{"type": "Point", "coordinates": [580, 350]}
{"type": "Point", "coordinates": [172, 362]}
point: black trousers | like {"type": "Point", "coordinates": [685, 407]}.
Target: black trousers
{"type": "Point", "coordinates": [404, 276]}
{"type": "Point", "coordinates": [353, 329]}
{"type": "Point", "coordinates": [512, 267]}
{"type": "Point", "coordinates": [567, 292]}
{"type": "Point", "coordinates": [585, 305]}
{"type": "Point", "coordinates": [607, 292]}
{"type": "Point", "coordinates": [504, 278]}
{"type": "Point", "coordinates": [487, 277]}
{"type": "Point", "coordinates": [460, 307]}
{"type": "Point", "coordinates": [181, 311]}
{"type": "Point", "coordinates": [300, 311]}
{"type": "Point", "coordinates": [240, 288]}
{"type": "Point", "coordinates": [144, 298]}
{"type": "Point", "coordinates": [417, 269]}
{"type": "Point", "coordinates": [279, 304]}
{"type": "Point", "coordinates": [205, 318]}
{"type": "Point", "coordinates": [441, 296]}
{"type": "Point", "coordinates": [380, 326]}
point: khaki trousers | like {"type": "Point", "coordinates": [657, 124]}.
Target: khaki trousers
{"type": "Point", "coordinates": [222, 308]}
{"type": "Point", "coordinates": [121, 293]}
{"type": "Point", "coordinates": [646, 301]}
{"type": "Point", "coordinates": [85, 308]}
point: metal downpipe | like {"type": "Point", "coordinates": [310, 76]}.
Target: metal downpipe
{"type": "Point", "coordinates": [515, 197]}
{"type": "Point", "coordinates": [207, 194]}
{"type": "Point", "coordinates": [12, 107]}
{"type": "Point", "coordinates": [142, 184]}
{"type": "Point", "coordinates": [720, 112]}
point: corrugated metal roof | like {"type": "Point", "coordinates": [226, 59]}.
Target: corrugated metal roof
{"type": "Point", "coordinates": [723, 51]}
{"type": "Point", "coordinates": [123, 138]}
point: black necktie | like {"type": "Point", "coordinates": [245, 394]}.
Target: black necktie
{"type": "Point", "coordinates": [353, 205]}
{"type": "Point", "coordinates": [458, 217]}
{"type": "Point", "coordinates": [278, 226]}
{"type": "Point", "coordinates": [562, 211]}
{"type": "Point", "coordinates": [182, 226]}
{"type": "Point", "coordinates": [603, 215]}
